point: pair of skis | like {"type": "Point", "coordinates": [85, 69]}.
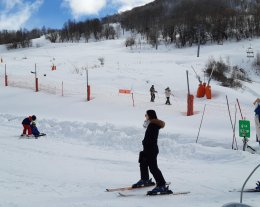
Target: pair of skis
{"type": "Point", "coordinates": [32, 136]}
{"type": "Point", "coordinates": [124, 191]}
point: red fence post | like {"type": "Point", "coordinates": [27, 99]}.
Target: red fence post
{"type": "Point", "coordinates": [36, 85]}
{"type": "Point", "coordinates": [88, 96]}
{"type": "Point", "coordinates": [190, 105]}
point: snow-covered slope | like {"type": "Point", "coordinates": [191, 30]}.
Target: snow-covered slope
{"type": "Point", "coordinates": [94, 145]}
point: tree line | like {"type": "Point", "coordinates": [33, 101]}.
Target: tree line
{"type": "Point", "coordinates": [185, 22]}
{"type": "Point", "coordinates": [71, 31]}
{"type": "Point", "coordinates": [179, 22]}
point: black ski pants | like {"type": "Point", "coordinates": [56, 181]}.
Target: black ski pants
{"type": "Point", "coordinates": [150, 161]}
{"type": "Point", "coordinates": [152, 97]}
{"type": "Point", "coordinates": [168, 101]}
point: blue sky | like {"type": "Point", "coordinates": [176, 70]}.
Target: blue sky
{"type": "Point", "coordinates": [15, 14]}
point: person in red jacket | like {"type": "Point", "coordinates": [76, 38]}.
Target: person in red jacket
{"type": "Point", "coordinates": [27, 125]}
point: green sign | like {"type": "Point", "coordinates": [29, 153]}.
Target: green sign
{"type": "Point", "coordinates": [244, 128]}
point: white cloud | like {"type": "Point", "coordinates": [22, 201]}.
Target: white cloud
{"type": "Point", "coordinates": [129, 4]}
{"type": "Point", "coordinates": [85, 7]}
{"type": "Point", "coordinates": [16, 13]}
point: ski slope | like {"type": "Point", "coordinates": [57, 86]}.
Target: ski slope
{"type": "Point", "coordinates": [94, 145]}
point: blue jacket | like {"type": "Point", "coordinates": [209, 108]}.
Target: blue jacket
{"type": "Point", "coordinates": [35, 131]}
{"type": "Point", "coordinates": [257, 111]}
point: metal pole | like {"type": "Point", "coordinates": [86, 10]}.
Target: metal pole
{"type": "Point", "coordinates": [234, 130]}
{"type": "Point", "coordinates": [36, 79]}
{"type": "Point", "coordinates": [240, 109]}
{"type": "Point", "coordinates": [133, 99]}
{"type": "Point", "coordinates": [6, 82]}
{"type": "Point", "coordinates": [230, 117]}
{"type": "Point", "coordinates": [62, 89]}
{"type": "Point", "coordinates": [187, 73]}
{"type": "Point", "coordinates": [198, 52]}
{"type": "Point", "coordinates": [201, 123]}
{"type": "Point", "coordinates": [87, 84]}
{"type": "Point", "coordinates": [35, 71]}
{"type": "Point", "coordinates": [241, 194]}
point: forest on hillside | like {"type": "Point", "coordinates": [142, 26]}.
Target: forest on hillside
{"type": "Point", "coordinates": [179, 22]}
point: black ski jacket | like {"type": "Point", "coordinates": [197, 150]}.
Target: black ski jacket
{"type": "Point", "coordinates": [150, 146]}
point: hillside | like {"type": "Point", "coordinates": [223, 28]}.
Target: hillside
{"type": "Point", "coordinates": [91, 146]}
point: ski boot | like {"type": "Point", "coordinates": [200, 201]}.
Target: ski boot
{"type": "Point", "coordinates": [257, 186]}
{"type": "Point", "coordinates": [143, 183]}
{"type": "Point", "coordinates": [160, 190]}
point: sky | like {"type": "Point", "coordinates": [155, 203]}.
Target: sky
{"type": "Point", "coordinates": [16, 14]}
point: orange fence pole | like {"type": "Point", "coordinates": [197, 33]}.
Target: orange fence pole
{"type": "Point", "coordinates": [88, 97]}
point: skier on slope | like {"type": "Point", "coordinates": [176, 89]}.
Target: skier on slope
{"type": "Point", "coordinates": [148, 157]}
{"type": "Point", "coordinates": [27, 125]}
{"type": "Point", "coordinates": [152, 92]}
{"type": "Point", "coordinates": [168, 94]}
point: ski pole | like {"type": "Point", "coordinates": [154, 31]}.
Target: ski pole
{"type": "Point", "coordinates": [201, 123]}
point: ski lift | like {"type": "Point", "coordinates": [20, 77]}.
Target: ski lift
{"type": "Point", "coordinates": [241, 194]}
{"type": "Point", "coordinates": [250, 52]}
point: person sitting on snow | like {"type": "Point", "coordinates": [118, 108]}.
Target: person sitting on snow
{"type": "Point", "coordinates": [35, 130]}
{"type": "Point", "coordinates": [26, 125]}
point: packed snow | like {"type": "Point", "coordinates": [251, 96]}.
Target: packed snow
{"type": "Point", "coordinates": [91, 146]}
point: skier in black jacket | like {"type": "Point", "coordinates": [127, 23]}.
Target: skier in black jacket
{"type": "Point", "coordinates": [148, 157]}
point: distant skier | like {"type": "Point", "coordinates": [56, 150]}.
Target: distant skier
{"type": "Point", "coordinates": [148, 157]}
{"type": "Point", "coordinates": [168, 94]}
{"type": "Point", "coordinates": [152, 92]}
{"type": "Point", "coordinates": [257, 118]}
{"type": "Point", "coordinates": [35, 130]}
{"type": "Point", "coordinates": [27, 125]}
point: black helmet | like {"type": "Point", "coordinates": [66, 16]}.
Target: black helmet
{"type": "Point", "coordinates": [33, 117]}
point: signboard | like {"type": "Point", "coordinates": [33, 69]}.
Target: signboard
{"type": "Point", "coordinates": [244, 128]}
